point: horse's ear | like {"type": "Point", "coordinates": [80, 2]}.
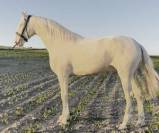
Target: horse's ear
{"type": "Point", "coordinates": [24, 14]}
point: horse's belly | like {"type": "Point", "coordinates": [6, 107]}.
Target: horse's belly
{"type": "Point", "coordinates": [85, 71]}
{"type": "Point", "coordinates": [89, 67]}
{"type": "Point", "coordinates": [89, 58]}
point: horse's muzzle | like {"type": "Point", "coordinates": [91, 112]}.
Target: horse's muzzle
{"type": "Point", "coordinates": [14, 45]}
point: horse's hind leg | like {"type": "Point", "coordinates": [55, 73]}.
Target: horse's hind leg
{"type": "Point", "coordinates": [125, 78]}
{"type": "Point", "coordinates": [137, 93]}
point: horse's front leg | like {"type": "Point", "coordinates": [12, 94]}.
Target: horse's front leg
{"type": "Point", "coordinates": [63, 81]}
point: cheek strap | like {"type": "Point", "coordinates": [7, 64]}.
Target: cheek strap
{"type": "Point", "coordinates": [24, 29]}
{"type": "Point", "coordinates": [24, 38]}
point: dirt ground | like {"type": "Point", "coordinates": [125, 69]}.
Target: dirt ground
{"type": "Point", "coordinates": [30, 100]}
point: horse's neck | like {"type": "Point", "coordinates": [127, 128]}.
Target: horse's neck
{"type": "Point", "coordinates": [52, 33]}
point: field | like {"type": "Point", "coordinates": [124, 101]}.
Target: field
{"type": "Point", "coordinates": [30, 98]}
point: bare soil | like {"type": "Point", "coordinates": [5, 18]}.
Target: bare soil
{"type": "Point", "coordinates": [30, 100]}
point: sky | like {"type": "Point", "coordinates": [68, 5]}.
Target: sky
{"type": "Point", "coordinates": [138, 19]}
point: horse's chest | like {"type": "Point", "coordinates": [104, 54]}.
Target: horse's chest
{"type": "Point", "coordinates": [59, 63]}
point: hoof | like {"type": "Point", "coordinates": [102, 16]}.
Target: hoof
{"type": "Point", "coordinates": [122, 127]}
{"type": "Point", "coordinates": [62, 121]}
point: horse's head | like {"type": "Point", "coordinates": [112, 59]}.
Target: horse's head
{"type": "Point", "coordinates": [24, 30]}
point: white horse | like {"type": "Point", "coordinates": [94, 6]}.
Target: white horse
{"type": "Point", "coordinates": [70, 53]}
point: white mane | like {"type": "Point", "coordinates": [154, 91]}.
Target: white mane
{"type": "Point", "coordinates": [58, 31]}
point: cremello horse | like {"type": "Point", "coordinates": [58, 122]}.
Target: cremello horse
{"type": "Point", "coordinates": [70, 53]}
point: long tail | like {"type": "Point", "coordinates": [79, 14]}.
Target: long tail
{"type": "Point", "coordinates": [151, 76]}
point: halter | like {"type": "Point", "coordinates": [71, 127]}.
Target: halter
{"type": "Point", "coordinates": [25, 29]}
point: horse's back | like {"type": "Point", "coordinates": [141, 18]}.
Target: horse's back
{"type": "Point", "coordinates": [112, 46]}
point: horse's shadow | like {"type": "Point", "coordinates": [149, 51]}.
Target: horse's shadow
{"type": "Point", "coordinates": [106, 111]}
{"type": "Point", "coordinates": [111, 119]}
{"type": "Point", "coordinates": [100, 112]}
{"type": "Point", "coordinates": [109, 115]}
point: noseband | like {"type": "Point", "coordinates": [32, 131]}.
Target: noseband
{"type": "Point", "coordinates": [25, 28]}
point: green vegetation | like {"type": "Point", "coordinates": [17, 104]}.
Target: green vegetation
{"type": "Point", "coordinates": [23, 53]}
{"type": "Point", "coordinates": [156, 62]}
{"type": "Point", "coordinates": [48, 111]}
{"type": "Point", "coordinates": [4, 118]}
{"type": "Point", "coordinates": [19, 111]}
{"type": "Point", "coordinates": [31, 128]}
